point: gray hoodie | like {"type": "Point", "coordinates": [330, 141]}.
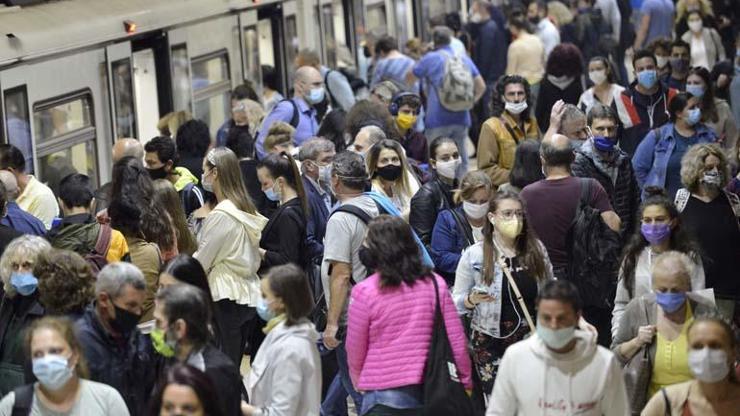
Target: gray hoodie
{"type": "Point", "coordinates": [286, 373]}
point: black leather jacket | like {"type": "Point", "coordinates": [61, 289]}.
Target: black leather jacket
{"type": "Point", "coordinates": [431, 198]}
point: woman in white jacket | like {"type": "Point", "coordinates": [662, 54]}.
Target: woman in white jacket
{"type": "Point", "coordinates": [660, 231]}
{"type": "Point", "coordinates": [228, 250]}
{"type": "Point", "coordinates": [285, 379]}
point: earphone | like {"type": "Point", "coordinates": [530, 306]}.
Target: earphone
{"type": "Point", "coordinates": [395, 106]}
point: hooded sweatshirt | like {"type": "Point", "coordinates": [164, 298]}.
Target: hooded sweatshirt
{"type": "Point", "coordinates": [228, 249]}
{"type": "Point", "coordinates": [534, 380]}
{"type": "Point", "coordinates": [285, 379]}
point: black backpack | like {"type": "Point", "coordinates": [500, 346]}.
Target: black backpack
{"type": "Point", "coordinates": [593, 253]}
{"type": "Point", "coordinates": [23, 400]}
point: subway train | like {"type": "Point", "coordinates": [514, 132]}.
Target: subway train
{"type": "Point", "coordinates": [77, 74]}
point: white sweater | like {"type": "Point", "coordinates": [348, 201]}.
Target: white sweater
{"type": "Point", "coordinates": [533, 380]}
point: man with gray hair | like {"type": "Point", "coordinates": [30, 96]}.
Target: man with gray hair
{"type": "Point", "coordinates": [366, 138]}
{"type": "Point", "coordinates": [117, 353]}
{"type": "Point", "coordinates": [316, 156]}
{"type": "Point", "coordinates": [448, 109]}
{"type": "Point", "coordinates": [15, 217]}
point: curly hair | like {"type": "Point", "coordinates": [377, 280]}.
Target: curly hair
{"type": "Point", "coordinates": [497, 100]}
{"type": "Point", "coordinates": [367, 113]}
{"type": "Point", "coordinates": [24, 249]}
{"type": "Point", "coordinates": [565, 59]}
{"type": "Point", "coordinates": [692, 165]}
{"type": "Point", "coordinates": [66, 282]}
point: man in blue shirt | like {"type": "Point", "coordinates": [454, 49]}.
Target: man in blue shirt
{"type": "Point", "coordinates": [15, 217]}
{"type": "Point", "coordinates": [299, 112]}
{"type": "Point", "coordinates": [439, 121]}
{"type": "Point", "coordinates": [656, 21]}
{"type": "Point", "coordinates": [337, 86]}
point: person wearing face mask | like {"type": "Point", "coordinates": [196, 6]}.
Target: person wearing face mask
{"type": "Point", "coordinates": [435, 195]}
{"type": "Point", "coordinates": [19, 306]}
{"type": "Point", "coordinates": [574, 374]}
{"type": "Point", "coordinates": [299, 111]}
{"type": "Point", "coordinates": [713, 214]}
{"type": "Point", "coordinates": [283, 239]}
{"type": "Point", "coordinates": [484, 292]}
{"type": "Point", "coordinates": [390, 174]}
{"type": "Point", "coordinates": [601, 158]}
{"type": "Point", "coordinates": [658, 322]}
{"type": "Point", "coordinates": [160, 161]}
{"type": "Point", "coordinates": [644, 105]}
{"type": "Point", "coordinates": [182, 335]}
{"type": "Point", "coordinates": [316, 156]}
{"type": "Point", "coordinates": [546, 30]}
{"type": "Point", "coordinates": [339, 92]}
{"type": "Point", "coordinates": [117, 353]}
{"type": "Point", "coordinates": [660, 230]}
{"type": "Point", "coordinates": [512, 123]}
{"type": "Point", "coordinates": [715, 389]}
{"type": "Point", "coordinates": [715, 112]}
{"type": "Point", "coordinates": [405, 109]}
{"type": "Point", "coordinates": [680, 62]}
{"type": "Point", "coordinates": [228, 250]}
{"type": "Point", "coordinates": [657, 160]}
{"type": "Point", "coordinates": [461, 225]}
{"type": "Point", "coordinates": [562, 81]}
{"type": "Point", "coordinates": [706, 44]}
{"type": "Point", "coordinates": [286, 372]}
{"type": "Point", "coordinates": [60, 368]}
{"type": "Point", "coordinates": [605, 89]}
{"type": "Point", "coordinates": [661, 48]}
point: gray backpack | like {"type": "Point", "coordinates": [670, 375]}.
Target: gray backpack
{"type": "Point", "coordinates": [456, 92]}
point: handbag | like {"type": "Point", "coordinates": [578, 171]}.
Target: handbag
{"type": "Point", "coordinates": [444, 393]}
{"type": "Point", "coordinates": [637, 374]}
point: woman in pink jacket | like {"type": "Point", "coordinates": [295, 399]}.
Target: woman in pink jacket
{"type": "Point", "coordinates": [391, 314]}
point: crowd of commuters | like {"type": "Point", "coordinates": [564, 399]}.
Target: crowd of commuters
{"type": "Point", "coordinates": [338, 250]}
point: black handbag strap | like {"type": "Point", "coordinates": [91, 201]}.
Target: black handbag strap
{"type": "Point", "coordinates": [466, 230]}
{"type": "Point", "coordinates": [437, 308]}
{"type": "Point", "coordinates": [668, 410]}
{"type": "Point", "coordinates": [23, 400]}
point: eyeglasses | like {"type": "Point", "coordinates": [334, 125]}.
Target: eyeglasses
{"type": "Point", "coordinates": [510, 213]}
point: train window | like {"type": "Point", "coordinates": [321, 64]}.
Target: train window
{"type": "Point", "coordinates": [252, 55]}
{"type": "Point", "coordinates": [376, 19]}
{"type": "Point", "coordinates": [18, 123]}
{"type": "Point", "coordinates": [123, 98]}
{"type": "Point", "coordinates": [211, 89]}
{"type": "Point", "coordinates": [181, 78]}
{"type": "Point", "coordinates": [65, 137]}
{"type": "Point", "coordinates": [291, 31]}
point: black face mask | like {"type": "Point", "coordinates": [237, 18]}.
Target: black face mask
{"type": "Point", "coordinates": [389, 172]}
{"type": "Point", "coordinates": [125, 321]}
{"type": "Point", "coordinates": [158, 173]}
{"type": "Point", "coordinates": [367, 259]}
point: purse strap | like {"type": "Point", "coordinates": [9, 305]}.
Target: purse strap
{"type": "Point", "coordinates": [518, 294]}
{"type": "Point", "coordinates": [668, 410]}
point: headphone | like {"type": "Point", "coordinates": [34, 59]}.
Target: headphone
{"type": "Point", "coordinates": [395, 103]}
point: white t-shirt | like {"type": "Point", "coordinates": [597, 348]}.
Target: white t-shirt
{"type": "Point", "coordinates": [699, 52]}
{"type": "Point", "coordinates": [96, 399]}
{"type": "Point", "coordinates": [477, 233]}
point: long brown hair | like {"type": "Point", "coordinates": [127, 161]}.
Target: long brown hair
{"type": "Point", "coordinates": [166, 196]}
{"type": "Point", "coordinates": [230, 178]}
{"type": "Point", "coordinates": [527, 246]}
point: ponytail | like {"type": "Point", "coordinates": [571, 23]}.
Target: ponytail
{"type": "Point", "coordinates": [284, 166]}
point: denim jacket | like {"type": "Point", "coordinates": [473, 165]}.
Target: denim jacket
{"type": "Point", "coordinates": [651, 157]}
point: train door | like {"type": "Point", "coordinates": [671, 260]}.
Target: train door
{"type": "Point", "coordinates": [121, 95]}
{"type": "Point", "coordinates": [291, 36]}
{"type": "Point", "coordinates": [270, 49]}
{"type": "Point", "coordinates": [427, 9]}
{"type": "Point", "coordinates": [334, 34]}
{"type": "Point", "coordinates": [151, 72]}
{"type": "Point", "coordinates": [182, 92]}
{"type": "Point", "coordinates": [55, 114]}
{"type": "Point", "coordinates": [250, 48]}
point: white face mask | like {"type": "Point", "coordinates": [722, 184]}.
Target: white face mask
{"type": "Point", "coordinates": [325, 174]}
{"type": "Point", "coordinates": [696, 25]}
{"type": "Point", "coordinates": [708, 365]}
{"type": "Point", "coordinates": [597, 77]}
{"type": "Point", "coordinates": [447, 169]}
{"type": "Point", "coordinates": [662, 61]}
{"type": "Point", "coordinates": [515, 108]}
{"type": "Point", "coordinates": [475, 211]}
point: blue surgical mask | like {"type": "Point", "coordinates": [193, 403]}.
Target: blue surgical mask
{"type": "Point", "coordinates": [556, 338]}
{"type": "Point", "coordinates": [695, 90]}
{"type": "Point", "coordinates": [263, 310]}
{"type": "Point", "coordinates": [670, 302]}
{"type": "Point", "coordinates": [604, 144]}
{"type": "Point", "coordinates": [208, 186]}
{"type": "Point", "coordinates": [315, 96]}
{"type": "Point", "coordinates": [647, 78]}
{"type": "Point", "coordinates": [272, 195]}
{"type": "Point", "coordinates": [52, 371]}
{"type": "Point", "coordinates": [694, 116]}
{"type": "Point", "coordinates": [24, 283]}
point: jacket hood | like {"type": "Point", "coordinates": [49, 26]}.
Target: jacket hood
{"type": "Point", "coordinates": [584, 350]}
{"type": "Point", "coordinates": [253, 223]}
{"type": "Point", "coordinates": [185, 177]}
{"type": "Point", "coordinates": [303, 329]}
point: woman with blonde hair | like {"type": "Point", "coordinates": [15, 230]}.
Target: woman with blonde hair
{"type": "Point", "coordinates": [170, 122]}
{"type": "Point", "coordinates": [280, 138]}
{"type": "Point", "coordinates": [228, 250]}
{"type": "Point", "coordinates": [461, 226]}
{"type": "Point", "coordinates": [166, 197]}
{"type": "Point", "coordinates": [59, 366]}
{"type": "Point", "coordinates": [390, 174]}
{"type": "Point", "coordinates": [19, 306]}
{"type": "Point", "coordinates": [712, 213]}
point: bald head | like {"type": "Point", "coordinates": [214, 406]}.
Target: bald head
{"type": "Point", "coordinates": [127, 147]}
{"type": "Point", "coordinates": [307, 78]}
{"type": "Point", "coordinates": [556, 151]}
{"type": "Point", "coordinates": [307, 74]}
{"type": "Point", "coordinates": [10, 183]}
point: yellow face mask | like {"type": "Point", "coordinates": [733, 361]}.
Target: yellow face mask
{"type": "Point", "coordinates": [405, 121]}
